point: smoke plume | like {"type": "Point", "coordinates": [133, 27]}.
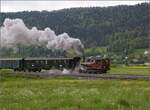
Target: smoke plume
{"type": "Point", "coordinates": [14, 32]}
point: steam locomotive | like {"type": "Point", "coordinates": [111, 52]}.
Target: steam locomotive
{"type": "Point", "coordinates": [95, 65]}
{"type": "Point", "coordinates": [90, 65]}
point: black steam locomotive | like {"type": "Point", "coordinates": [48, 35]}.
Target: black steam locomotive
{"type": "Point", "coordinates": [37, 64]}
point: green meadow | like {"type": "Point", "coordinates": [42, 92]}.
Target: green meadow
{"type": "Point", "coordinates": [139, 70]}
{"type": "Point", "coordinates": [19, 92]}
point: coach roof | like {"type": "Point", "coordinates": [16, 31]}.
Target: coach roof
{"type": "Point", "coordinates": [10, 58]}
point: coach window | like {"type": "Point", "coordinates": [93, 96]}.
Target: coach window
{"type": "Point", "coordinates": [46, 62]}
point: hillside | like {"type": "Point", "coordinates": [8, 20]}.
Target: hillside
{"type": "Point", "coordinates": [119, 28]}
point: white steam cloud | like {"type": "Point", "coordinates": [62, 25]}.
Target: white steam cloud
{"type": "Point", "coordinates": [14, 32]}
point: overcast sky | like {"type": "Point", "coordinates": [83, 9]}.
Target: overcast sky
{"type": "Point", "coordinates": [21, 5]}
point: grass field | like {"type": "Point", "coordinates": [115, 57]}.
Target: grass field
{"type": "Point", "coordinates": [30, 93]}
{"type": "Point", "coordinates": [140, 70]}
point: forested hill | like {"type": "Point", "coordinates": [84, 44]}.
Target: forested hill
{"type": "Point", "coordinates": [117, 27]}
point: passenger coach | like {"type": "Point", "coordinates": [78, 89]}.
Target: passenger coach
{"type": "Point", "coordinates": [37, 64]}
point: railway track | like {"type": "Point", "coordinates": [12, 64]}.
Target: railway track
{"type": "Point", "coordinates": [114, 76]}
{"type": "Point", "coordinates": [90, 76]}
